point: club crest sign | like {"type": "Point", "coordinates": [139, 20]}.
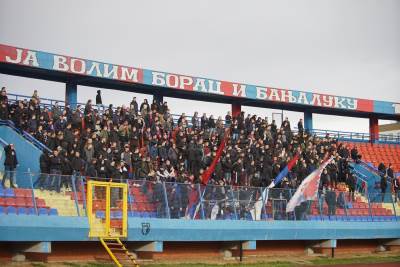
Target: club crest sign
{"type": "Point", "coordinates": [145, 228]}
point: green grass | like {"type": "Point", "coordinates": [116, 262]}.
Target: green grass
{"type": "Point", "coordinates": [308, 262]}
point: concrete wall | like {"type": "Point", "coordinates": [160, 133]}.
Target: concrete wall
{"type": "Point", "coordinates": [27, 154]}
{"type": "Point", "coordinates": [57, 228]}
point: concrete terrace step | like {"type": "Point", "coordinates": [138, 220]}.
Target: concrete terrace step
{"type": "Point", "coordinates": [61, 201]}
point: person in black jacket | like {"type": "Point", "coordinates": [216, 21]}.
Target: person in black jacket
{"type": "Point", "coordinates": [55, 171]}
{"type": "Point", "coordinates": [383, 185]}
{"type": "Point", "coordinates": [331, 201]}
{"type": "Point", "coordinates": [44, 171]}
{"type": "Point", "coordinates": [99, 101]}
{"type": "Point", "coordinates": [396, 188]}
{"type": "Point", "coordinates": [10, 163]}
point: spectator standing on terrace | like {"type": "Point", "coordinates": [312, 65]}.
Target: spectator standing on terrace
{"type": "Point", "coordinates": [300, 127]}
{"type": "Point", "coordinates": [354, 153]}
{"type": "Point", "coordinates": [396, 188]}
{"type": "Point", "coordinates": [44, 171]}
{"type": "Point", "coordinates": [331, 201]}
{"type": "Point", "coordinates": [381, 167]}
{"type": "Point", "coordinates": [99, 101]}
{"type": "Point", "coordinates": [10, 163]}
{"type": "Point", "coordinates": [3, 95]}
{"type": "Point", "coordinates": [333, 173]}
{"type": "Point", "coordinates": [351, 183]}
{"type": "Point", "coordinates": [389, 171]}
{"type": "Point", "coordinates": [383, 185]}
{"type": "Point", "coordinates": [4, 114]}
{"type": "Point", "coordinates": [55, 171]}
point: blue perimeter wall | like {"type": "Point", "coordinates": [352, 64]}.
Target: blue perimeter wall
{"type": "Point", "coordinates": [56, 228]}
{"type": "Point", "coordinates": [27, 154]}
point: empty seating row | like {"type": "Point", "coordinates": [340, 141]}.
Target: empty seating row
{"type": "Point", "coordinates": [353, 218]}
{"type": "Point", "coordinates": [23, 202]}
{"type": "Point", "coordinates": [27, 211]}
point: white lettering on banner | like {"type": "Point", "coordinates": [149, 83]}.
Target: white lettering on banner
{"type": "Point", "coordinates": [129, 74]}
{"type": "Point", "coordinates": [60, 63]}
{"type": "Point", "coordinates": [172, 80]}
{"type": "Point", "coordinates": [239, 92]}
{"type": "Point", "coordinates": [316, 100]}
{"type": "Point", "coordinates": [303, 99]}
{"type": "Point", "coordinates": [78, 68]}
{"type": "Point", "coordinates": [185, 81]}
{"type": "Point", "coordinates": [18, 59]}
{"type": "Point", "coordinates": [261, 93]}
{"type": "Point", "coordinates": [396, 108]}
{"type": "Point", "coordinates": [274, 96]}
{"type": "Point", "coordinates": [158, 78]}
{"type": "Point", "coordinates": [352, 103]}
{"type": "Point", "coordinates": [200, 85]}
{"type": "Point", "coordinates": [327, 101]}
{"type": "Point", "coordinates": [107, 73]}
{"type": "Point", "coordinates": [31, 59]}
{"type": "Point", "coordinates": [215, 89]}
{"type": "Point", "coordinates": [287, 96]}
{"type": "Point", "coordinates": [339, 102]}
{"type": "Point", "coordinates": [95, 67]}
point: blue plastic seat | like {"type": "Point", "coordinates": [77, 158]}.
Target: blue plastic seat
{"type": "Point", "coordinates": [2, 210]}
{"type": "Point", "coordinates": [333, 218]}
{"type": "Point", "coordinates": [339, 218]}
{"type": "Point", "coordinates": [22, 211]}
{"type": "Point", "coordinates": [9, 192]}
{"type": "Point", "coordinates": [100, 214]}
{"type": "Point", "coordinates": [11, 210]}
{"type": "Point", "coordinates": [53, 212]}
{"type": "Point", "coordinates": [43, 211]}
{"type": "Point", "coordinates": [325, 217]}
{"type": "Point", "coordinates": [31, 211]}
{"type": "Point", "coordinates": [1, 191]}
{"type": "Point", "coordinates": [116, 215]}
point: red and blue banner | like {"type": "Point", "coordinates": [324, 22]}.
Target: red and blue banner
{"type": "Point", "coordinates": [73, 65]}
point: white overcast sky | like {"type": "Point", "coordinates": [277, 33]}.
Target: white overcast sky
{"type": "Point", "coordinates": [340, 47]}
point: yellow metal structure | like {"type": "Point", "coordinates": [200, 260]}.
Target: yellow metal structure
{"type": "Point", "coordinates": [118, 252]}
{"type": "Point", "coordinates": [107, 209]}
{"type": "Point", "coordinates": [102, 191]}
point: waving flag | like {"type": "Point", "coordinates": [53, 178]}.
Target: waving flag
{"type": "Point", "coordinates": [285, 171]}
{"type": "Point", "coordinates": [308, 188]}
{"type": "Point", "coordinates": [207, 173]}
{"type": "Point", "coordinates": [257, 209]}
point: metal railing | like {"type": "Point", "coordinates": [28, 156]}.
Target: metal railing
{"type": "Point", "coordinates": [341, 135]}
{"type": "Point", "coordinates": [25, 135]}
{"type": "Point", "coordinates": [65, 195]}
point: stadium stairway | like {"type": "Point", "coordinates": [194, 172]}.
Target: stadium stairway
{"type": "Point", "coordinates": [118, 252]}
{"type": "Point", "coordinates": [28, 153]}
{"type": "Point", "coordinates": [372, 177]}
{"type": "Point", "coordinates": [63, 202]}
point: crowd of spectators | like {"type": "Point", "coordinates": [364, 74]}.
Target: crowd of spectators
{"type": "Point", "coordinates": [142, 141]}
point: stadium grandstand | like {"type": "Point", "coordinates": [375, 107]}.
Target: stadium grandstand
{"type": "Point", "coordinates": [127, 168]}
{"type": "Point", "coordinates": [104, 163]}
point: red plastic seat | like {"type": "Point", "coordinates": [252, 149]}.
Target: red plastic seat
{"type": "Point", "coordinates": [11, 202]}
{"type": "Point", "coordinates": [20, 202]}
{"type": "Point", "coordinates": [40, 203]}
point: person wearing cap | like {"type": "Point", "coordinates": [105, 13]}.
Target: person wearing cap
{"type": "Point", "coordinates": [10, 163]}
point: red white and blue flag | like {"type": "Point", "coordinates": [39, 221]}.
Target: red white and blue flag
{"type": "Point", "coordinates": [285, 171]}
{"type": "Point", "coordinates": [257, 209]}
{"type": "Point", "coordinates": [308, 189]}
